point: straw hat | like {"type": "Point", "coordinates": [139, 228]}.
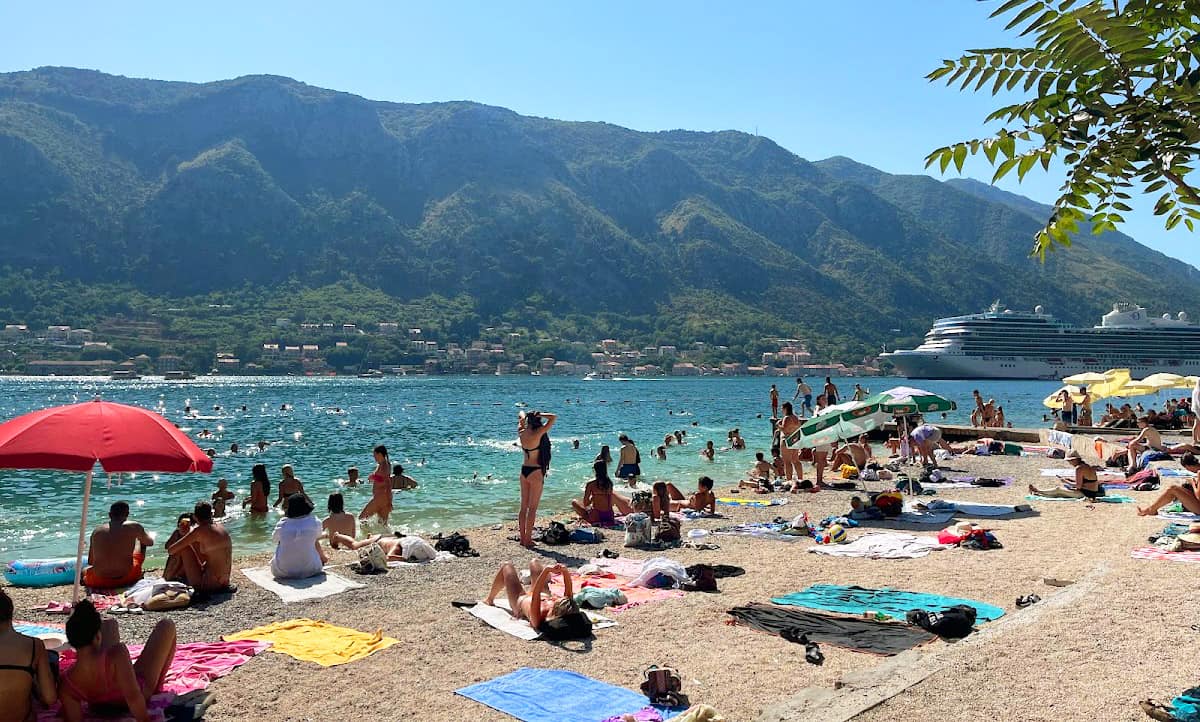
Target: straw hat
{"type": "Point", "coordinates": [1073, 456]}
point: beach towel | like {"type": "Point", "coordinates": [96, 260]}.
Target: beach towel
{"type": "Point", "coordinates": [736, 501]}
{"type": "Point", "coordinates": [499, 617]}
{"type": "Point", "coordinates": [196, 664]}
{"type": "Point", "coordinates": [1106, 499]}
{"type": "Point", "coordinates": [913, 516]}
{"type": "Point", "coordinates": [555, 695]}
{"type": "Point", "coordinates": [1186, 706]}
{"type": "Point", "coordinates": [1157, 553]}
{"type": "Point", "coordinates": [313, 641]}
{"type": "Point", "coordinates": [883, 545]}
{"type": "Point", "coordinates": [297, 590]}
{"type": "Point", "coordinates": [35, 629]}
{"type": "Point", "coordinates": [1186, 517]}
{"type": "Point", "coordinates": [1172, 471]}
{"type": "Point", "coordinates": [896, 602]}
{"type": "Point", "coordinates": [966, 508]}
{"type": "Point", "coordinates": [860, 635]}
{"type": "Point", "coordinates": [635, 596]}
{"type": "Point", "coordinates": [1104, 475]}
{"type": "Point", "coordinates": [156, 709]}
{"type": "Point", "coordinates": [762, 530]}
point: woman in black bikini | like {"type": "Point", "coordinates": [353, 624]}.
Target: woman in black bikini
{"type": "Point", "coordinates": [535, 446]}
{"type": "Point", "coordinates": [24, 669]}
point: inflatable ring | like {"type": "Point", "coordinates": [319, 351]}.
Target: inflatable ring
{"type": "Point", "coordinates": [40, 572]}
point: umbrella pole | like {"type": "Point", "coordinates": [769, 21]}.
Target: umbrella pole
{"type": "Point", "coordinates": [87, 495]}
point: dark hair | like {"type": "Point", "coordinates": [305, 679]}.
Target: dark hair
{"type": "Point", "coordinates": [352, 470]}
{"type": "Point", "coordinates": [787, 407]}
{"type": "Point", "coordinates": [6, 607]}
{"type": "Point", "coordinates": [1189, 459]}
{"type": "Point", "coordinates": [533, 420]}
{"type": "Point", "coordinates": [203, 512]}
{"type": "Point", "coordinates": [600, 469]}
{"type": "Point", "coordinates": [397, 469]}
{"type": "Point", "coordinates": [706, 483]}
{"type": "Point", "coordinates": [605, 454]}
{"type": "Point", "coordinates": [381, 449]}
{"type": "Point", "coordinates": [298, 505]}
{"type": "Point", "coordinates": [258, 472]}
{"type": "Point", "coordinates": [185, 515]}
{"type": "Point", "coordinates": [83, 625]}
{"type": "Point", "coordinates": [119, 508]}
{"type": "Point", "coordinates": [759, 455]}
{"type": "Point", "coordinates": [337, 503]}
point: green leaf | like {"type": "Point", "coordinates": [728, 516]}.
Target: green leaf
{"type": "Point", "coordinates": [1003, 169]}
{"type": "Point", "coordinates": [960, 155]}
{"type": "Point", "coordinates": [1026, 163]}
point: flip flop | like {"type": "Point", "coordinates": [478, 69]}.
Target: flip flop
{"type": "Point", "coordinates": [463, 603]}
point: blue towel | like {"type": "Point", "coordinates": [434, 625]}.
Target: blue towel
{"type": "Point", "coordinates": [555, 695]}
{"type": "Point", "coordinates": [856, 600]}
{"type": "Point", "coordinates": [1186, 707]}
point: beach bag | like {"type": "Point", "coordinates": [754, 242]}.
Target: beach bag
{"type": "Point", "coordinates": [372, 560]}
{"type": "Point", "coordinates": [955, 623]}
{"type": "Point", "coordinates": [168, 595]}
{"type": "Point", "coordinates": [1056, 454]}
{"type": "Point", "coordinates": [456, 544]}
{"type": "Point", "coordinates": [642, 501]}
{"type": "Point", "coordinates": [637, 530]}
{"type": "Point", "coordinates": [701, 578]}
{"type": "Point", "coordinates": [556, 534]}
{"type": "Point", "coordinates": [668, 530]}
{"type": "Point", "coordinates": [574, 625]}
{"type": "Point", "coordinates": [980, 539]}
{"type": "Point", "coordinates": [664, 687]}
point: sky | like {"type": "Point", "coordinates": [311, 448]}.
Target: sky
{"type": "Point", "coordinates": [820, 78]}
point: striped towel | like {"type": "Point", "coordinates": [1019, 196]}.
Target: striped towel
{"type": "Point", "coordinates": [1156, 553]}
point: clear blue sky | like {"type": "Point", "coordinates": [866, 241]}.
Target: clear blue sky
{"type": "Point", "coordinates": [821, 78]}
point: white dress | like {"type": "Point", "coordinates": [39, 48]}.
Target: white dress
{"type": "Point", "coordinates": [296, 548]}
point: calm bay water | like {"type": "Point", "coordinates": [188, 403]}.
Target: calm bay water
{"type": "Point", "coordinates": [450, 433]}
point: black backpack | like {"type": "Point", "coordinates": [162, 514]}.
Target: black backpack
{"type": "Point", "coordinates": [556, 534]}
{"type": "Point", "coordinates": [954, 623]}
{"type": "Point", "coordinates": [456, 544]}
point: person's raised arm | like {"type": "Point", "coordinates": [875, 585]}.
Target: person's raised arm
{"type": "Point", "coordinates": [550, 419]}
{"type": "Point", "coordinates": [535, 597]}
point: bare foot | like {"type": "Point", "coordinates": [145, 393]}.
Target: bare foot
{"type": "Point", "coordinates": [1145, 512]}
{"type": "Point", "coordinates": [1033, 490]}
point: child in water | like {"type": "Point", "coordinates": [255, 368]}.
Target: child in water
{"type": "Point", "coordinates": [219, 497]}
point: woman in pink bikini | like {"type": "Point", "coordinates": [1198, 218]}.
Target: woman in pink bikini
{"type": "Point", "coordinates": [380, 504]}
{"type": "Point", "coordinates": [535, 448]}
{"type": "Point", "coordinates": [103, 676]}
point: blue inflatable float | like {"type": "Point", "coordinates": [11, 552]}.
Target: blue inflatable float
{"type": "Point", "coordinates": [40, 572]}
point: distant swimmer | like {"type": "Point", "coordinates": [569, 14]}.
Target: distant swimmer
{"type": "Point", "coordinates": [400, 480]}
{"type": "Point", "coordinates": [678, 436]}
{"type": "Point", "coordinates": [575, 444]}
{"type": "Point", "coordinates": [352, 476]}
{"type": "Point", "coordinates": [709, 452]}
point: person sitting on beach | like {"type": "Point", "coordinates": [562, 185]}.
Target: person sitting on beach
{"type": "Point", "coordinates": [1086, 482]}
{"type": "Point", "coordinates": [598, 501]}
{"type": "Point", "coordinates": [759, 476]}
{"type": "Point", "coordinates": [220, 497]}
{"type": "Point", "coordinates": [297, 553]}
{"type": "Point", "coordinates": [1147, 440]}
{"type": "Point", "coordinates": [116, 551]}
{"type": "Point", "coordinates": [173, 570]}
{"type": "Point", "coordinates": [339, 521]}
{"type": "Point", "coordinates": [855, 454]}
{"type": "Point", "coordinates": [352, 476]}
{"type": "Point", "coordinates": [104, 675]}
{"type": "Point", "coordinates": [1187, 493]}
{"type": "Point", "coordinates": [289, 484]}
{"type": "Point", "coordinates": [537, 605]}
{"type": "Point", "coordinates": [24, 669]}
{"type": "Point", "coordinates": [702, 500]}
{"type": "Point", "coordinates": [629, 464]}
{"type": "Point", "coordinates": [205, 553]}
{"type": "Point", "coordinates": [260, 490]}
{"type": "Point", "coordinates": [400, 480]}
{"type": "Point", "coordinates": [708, 452]}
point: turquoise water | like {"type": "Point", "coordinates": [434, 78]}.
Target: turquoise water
{"type": "Point", "coordinates": [455, 435]}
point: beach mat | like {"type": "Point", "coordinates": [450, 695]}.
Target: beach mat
{"type": "Point", "coordinates": [883, 545]}
{"type": "Point", "coordinates": [966, 508]}
{"type": "Point", "coordinates": [195, 665]}
{"type": "Point", "coordinates": [860, 635]}
{"type": "Point", "coordinates": [310, 640]}
{"type": "Point", "coordinates": [932, 518]}
{"type": "Point", "coordinates": [297, 590]}
{"type": "Point", "coordinates": [761, 530]}
{"type": "Point", "coordinates": [896, 602]}
{"type": "Point", "coordinates": [1106, 499]}
{"type": "Point", "coordinates": [738, 501]}
{"type": "Point", "coordinates": [1163, 554]}
{"type": "Point", "coordinates": [499, 617]}
{"type": "Point", "coordinates": [1181, 516]}
{"type": "Point", "coordinates": [555, 695]}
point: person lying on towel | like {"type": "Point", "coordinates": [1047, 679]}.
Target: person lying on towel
{"type": "Point", "coordinates": [116, 551]}
{"type": "Point", "coordinates": [536, 605]}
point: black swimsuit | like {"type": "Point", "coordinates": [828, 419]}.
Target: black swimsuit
{"type": "Point", "coordinates": [19, 668]}
{"type": "Point", "coordinates": [526, 469]}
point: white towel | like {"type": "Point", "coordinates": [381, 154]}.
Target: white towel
{"type": "Point", "coordinates": [498, 617]}
{"type": "Point", "coordinates": [325, 584]}
{"type": "Point", "coordinates": [883, 545]}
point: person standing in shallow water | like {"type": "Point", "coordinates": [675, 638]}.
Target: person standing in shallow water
{"type": "Point", "coordinates": [532, 437]}
{"type": "Point", "coordinates": [380, 504]}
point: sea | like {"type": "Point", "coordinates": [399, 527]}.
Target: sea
{"type": "Point", "coordinates": [456, 435]}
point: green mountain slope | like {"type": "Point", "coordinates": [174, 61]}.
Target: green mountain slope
{"type": "Point", "coordinates": [192, 191]}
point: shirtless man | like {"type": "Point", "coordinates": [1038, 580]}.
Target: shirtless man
{"type": "Point", "coordinates": [702, 500]}
{"type": "Point", "coordinates": [338, 521]}
{"type": "Point", "coordinates": [117, 550]}
{"type": "Point", "coordinates": [400, 480]}
{"type": "Point", "coordinates": [288, 485]}
{"type": "Point", "coordinates": [759, 477]}
{"type": "Point", "coordinates": [977, 417]}
{"type": "Point", "coordinates": [774, 401]}
{"type": "Point", "coordinates": [791, 457]}
{"type": "Point", "coordinates": [804, 394]}
{"type": "Point", "coordinates": [206, 553]}
{"type": "Point", "coordinates": [855, 454]}
{"type": "Point", "coordinates": [831, 392]}
{"type": "Point", "coordinates": [352, 476]}
{"type": "Point", "coordinates": [1148, 440]}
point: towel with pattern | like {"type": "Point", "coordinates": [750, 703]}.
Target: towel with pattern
{"type": "Point", "coordinates": [883, 545]}
{"type": "Point", "coordinates": [1156, 553]}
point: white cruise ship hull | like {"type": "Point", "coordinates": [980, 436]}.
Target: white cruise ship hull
{"type": "Point", "coordinates": [951, 365]}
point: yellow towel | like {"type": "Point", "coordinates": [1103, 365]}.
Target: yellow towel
{"type": "Point", "coordinates": [313, 641]}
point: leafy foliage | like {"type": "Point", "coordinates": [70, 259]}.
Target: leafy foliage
{"type": "Point", "coordinates": [1112, 91]}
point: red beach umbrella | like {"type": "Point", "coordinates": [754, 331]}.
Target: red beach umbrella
{"type": "Point", "coordinates": [77, 437]}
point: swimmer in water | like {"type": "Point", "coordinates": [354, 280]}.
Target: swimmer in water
{"type": "Point", "coordinates": [352, 476]}
{"type": "Point", "coordinates": [219, 497]}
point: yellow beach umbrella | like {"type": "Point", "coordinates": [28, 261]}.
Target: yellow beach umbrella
{"type": "Point", "coordinates": [1115, 380]}
{"type": "Point", "coordinates": [1088, 377]}
{"type": "Point", "coordinates": [1163, 381]}
{"type": "Point", "coordinates": [1133, 388]}
{"type": "Point", "coordinates": [1053, 402]}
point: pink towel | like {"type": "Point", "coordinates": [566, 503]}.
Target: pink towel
{"type": "Point", "coordinates": [1156, 553]}
{"type": "Point", "coordinates": [195, 665]}
{"type": "Point", "coordinates": [157, 707]}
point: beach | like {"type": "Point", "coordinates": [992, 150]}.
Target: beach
{"type": "Point", "coordinates": [1120, 638]}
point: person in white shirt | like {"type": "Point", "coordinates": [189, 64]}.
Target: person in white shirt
{"type": "Point", "coordinates": [297, 555]}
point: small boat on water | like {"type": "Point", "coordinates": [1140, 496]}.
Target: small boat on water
{"type": "Point", "coordinates": [178, 376]}
{"type": "Point", "coordinates": [371, 374]}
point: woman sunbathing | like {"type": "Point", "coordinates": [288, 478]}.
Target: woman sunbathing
{"type": "Point", "coordinates": [598, 501]}
{"type": "Point", "coordinates": [537, 605]}
{"type": "Point", "coordinates": [1086, 482]}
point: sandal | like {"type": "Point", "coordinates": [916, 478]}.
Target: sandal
{"type": "Point", "coordinates": [1027, 600]}
{"type": "Point", "coordinates": [1158, 711]}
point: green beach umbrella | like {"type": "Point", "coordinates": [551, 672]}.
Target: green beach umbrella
{"type": "Point", "coordinates": [853, 418]}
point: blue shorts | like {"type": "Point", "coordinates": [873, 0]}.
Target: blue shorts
{"type": "Point", "coordinates": [626, 471]}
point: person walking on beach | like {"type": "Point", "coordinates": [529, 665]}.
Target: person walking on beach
{"type": "Point", "coordinates": [791, 457]}
{"type": "Point", "coordinates": [534, 440]}
{"type": "Point", "coordinates": [831, 392]}
{"type": "Point", "coordinates": [804, 393]}
{"type": "Point", "coordinates": [630, 460]}
{"type": "Point", "coordinates": [774, 402]}
{"type": "Point", "coordinates": [380, 504]}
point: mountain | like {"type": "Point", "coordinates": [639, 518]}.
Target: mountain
{"type": "Point", "coordinates": [266, 187]}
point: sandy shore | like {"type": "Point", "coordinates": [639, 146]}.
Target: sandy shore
{"type": "Point", "coordinates": [1125, 640]}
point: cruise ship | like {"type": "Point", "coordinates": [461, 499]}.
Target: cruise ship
{"type": "Point", "coordinates": [1005, 344]}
